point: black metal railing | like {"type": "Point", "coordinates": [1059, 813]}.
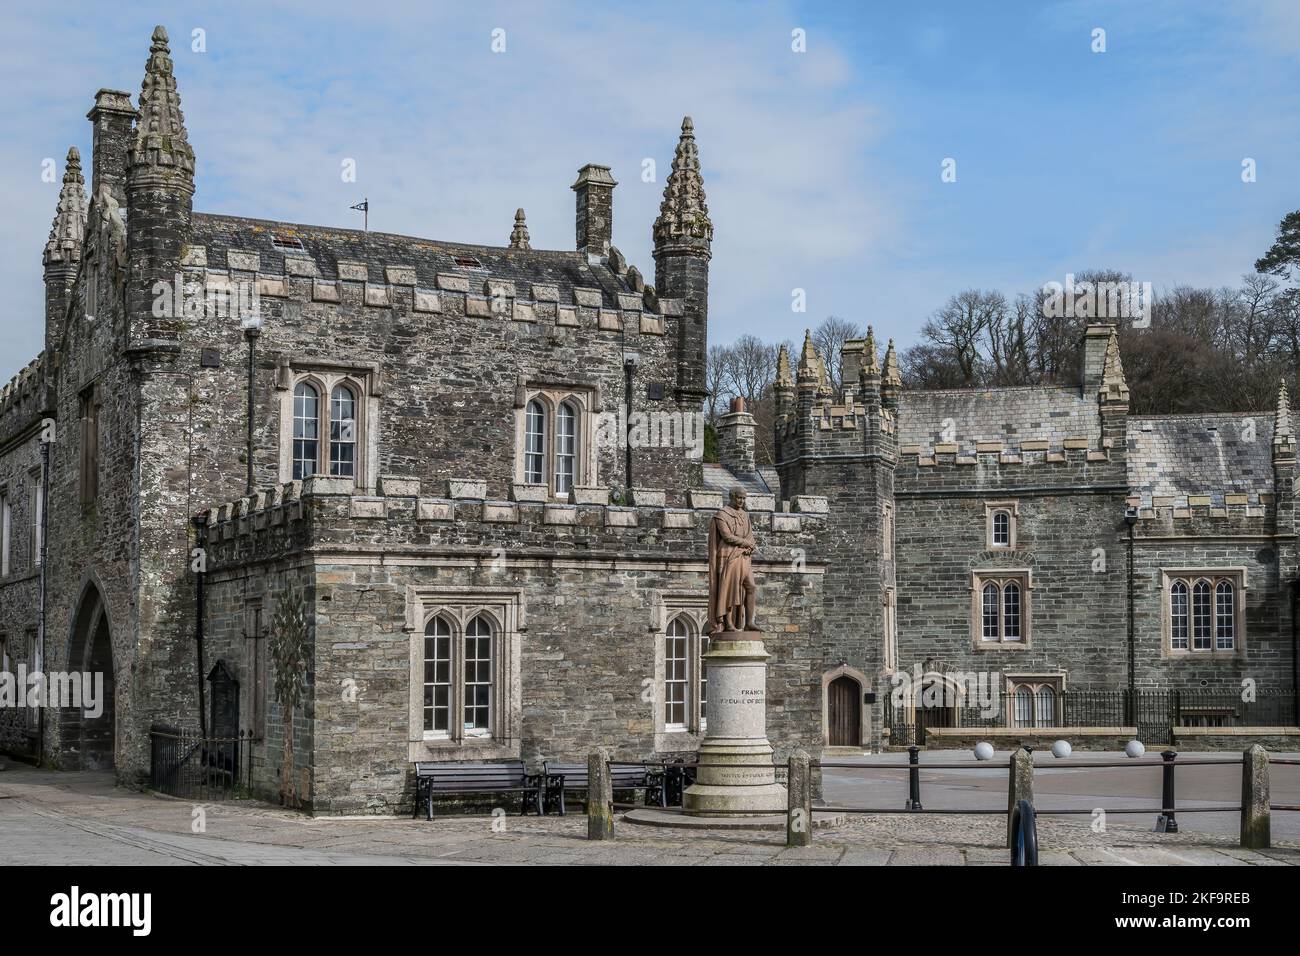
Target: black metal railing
{"type": "Point", "coordinates": [1155, 713]}
{"type": "Point", "coordinates": [190, 765]}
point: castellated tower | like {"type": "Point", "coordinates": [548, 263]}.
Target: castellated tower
{"type": "Point", "coordinates": [683, 238]}
{"type": "Point", "coordinates": [843, 447]}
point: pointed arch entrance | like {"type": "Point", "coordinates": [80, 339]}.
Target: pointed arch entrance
{"type": "Point", "coordinates": [845, 720]}
{"type": "Point", "coordinates": [91, 741]}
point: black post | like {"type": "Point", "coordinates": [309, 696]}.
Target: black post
{"type": "Point", "coordinates": [1167, 792]}
{"type": "Point", "coordinates": [914, 778]}
{"type": "Point", "coordinates": [251, 333]}
{"type": "Point", "coordinates": [201, 542]}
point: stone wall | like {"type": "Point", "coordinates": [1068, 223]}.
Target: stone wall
{"type": "Point", "coordinates": [588, 590]}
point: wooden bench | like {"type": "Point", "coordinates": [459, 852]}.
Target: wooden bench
{"type": "Point", "coordinates": [456, 778]}
{"type": "Point", "coordinates": [560, 777]}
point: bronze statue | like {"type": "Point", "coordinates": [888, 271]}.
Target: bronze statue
{"type": "Point", "coordinates": [731, 574]}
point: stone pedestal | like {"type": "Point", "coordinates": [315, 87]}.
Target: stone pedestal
{"type": "Point", "coordinates": [737, 777]}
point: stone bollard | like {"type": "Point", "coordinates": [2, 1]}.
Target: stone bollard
{"type": "Point", "coordinates": [600, 794]}
{"type": "Point", "coordinates": [1256, 833]}
{"type": "Point", "coordinates": [798, 818]}
{"type": "Point", "coordinates": [1020, 785]}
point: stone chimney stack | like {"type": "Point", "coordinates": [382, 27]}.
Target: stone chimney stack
{"type": "Point", "coordinates": [595, 221]}
{"type": "Point", "coordinates": [736, 440]}
{"type": "Point", "coordinates": [1095, 340]}
{"type": "Point", "coordinates": [111, 118]}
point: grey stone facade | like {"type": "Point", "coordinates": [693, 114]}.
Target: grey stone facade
{"type": "Point", "coordinates": [441, 497]}
{"type": "Point", "coordinates": [1210, 500]}
{"type": "Point", "coordinates": [444, 348]}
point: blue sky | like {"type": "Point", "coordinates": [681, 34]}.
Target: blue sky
{"type": "Point", "coordinates": [822, 168]}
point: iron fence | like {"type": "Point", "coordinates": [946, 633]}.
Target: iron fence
{"type": "Point", "coordinates": [1155, 713]}
{"type": "Point", "coordinates": [194, 766]}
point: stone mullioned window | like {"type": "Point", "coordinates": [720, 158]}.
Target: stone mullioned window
{"type": "Point", "coordinates": [1204, 611]}
{"type": "Point", "coordinates": [1000, 608]}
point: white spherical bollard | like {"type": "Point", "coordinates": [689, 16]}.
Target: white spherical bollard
{"type": "Point", "coordinates": [1134, 748]}
{"type": "Point", "coordinates": [1062, 748]}
{"type": "Point", "coordinates": [983, 750]}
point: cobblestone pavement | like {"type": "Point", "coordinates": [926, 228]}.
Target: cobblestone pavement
{"type": "Point", "coordinates": [82, 818]}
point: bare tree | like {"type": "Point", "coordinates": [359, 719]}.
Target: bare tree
{"type": "Point", "coordinates": [829, 338]}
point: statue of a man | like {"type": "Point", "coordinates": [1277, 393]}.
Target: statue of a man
{"type": "Point", "coordinates": [731, 574]}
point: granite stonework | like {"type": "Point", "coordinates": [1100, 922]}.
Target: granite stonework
{"type": "Point", "coordinates": [872, 525]}
{"type": "Point", "coordinates": [584, 608]}
{"type": "Point", "coordinates": [736, 776]}
{"type": "Point", "coordinates": [1206, 495]}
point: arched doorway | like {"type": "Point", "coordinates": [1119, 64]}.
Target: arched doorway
{"type": "Point", "coordinates": [844, 712]}
{"type": "Point", "coordinates": [90, 741]}
{"type": "Point", "coordinates": [937, 706]}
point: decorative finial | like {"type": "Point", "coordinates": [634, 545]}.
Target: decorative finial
{"type": "Point", "coordinates": [809, 361]}
{"type": "Point", "coordinates": [872, 364]}
{"type": "Point", "coordinates": [1113, 386]}
{"type": "Point", "coordinates": [161, 147]}
{"type": "Point", "coordinates": [1283, 426]}
{"type": "Point", "coordinates": [68, 231]}
{"type": "Point", "coordinates": [684, 214]}
{"type": "Point", "coordinates": [519, 235]}
{"type": "Point", "coordinates": [783, 377]}
{"type": "Point", "coordinates": [891, 375]}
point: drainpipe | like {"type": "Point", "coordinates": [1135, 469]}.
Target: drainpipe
{"type": "Point", "coordinates": [40, 601]}
{"type": "Point", "coordinates": [1130, 519]}
{"type": "Point", "coordinates": [629, 366]}
{"type": "Point", "coordinates": [201, 542]}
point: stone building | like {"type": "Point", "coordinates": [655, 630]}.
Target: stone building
{"type": "Point", "coordinates": [475, 472]}
{"type": "Point", "coordinates": [987, 534]}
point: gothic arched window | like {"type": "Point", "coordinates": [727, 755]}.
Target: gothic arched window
{"type": "Point", "coordinates": [306, 430]}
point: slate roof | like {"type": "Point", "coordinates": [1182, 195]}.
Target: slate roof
{"type": "Point", "coordinates": [326, 245]}
{"type": "Point", "coordinates": [719, 478]}
{"type": "Point", "coordinates": [1202, 454]}
{"type": "Point", "coordinates": [998, 414]}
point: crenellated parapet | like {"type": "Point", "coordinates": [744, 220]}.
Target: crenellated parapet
{"type": "Point", "coordinates": [1025, 451]}
{"type": "Point", "coordinates": [249, 276]}
{"type": "Point", "coordinates": [1221, 512]}
{"type": "Point", "coordinates": [23, 397]}
{"type": "Point", "coordinates": [325, 514]}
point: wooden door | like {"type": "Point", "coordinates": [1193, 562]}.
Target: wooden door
{"type": "Point", "coordinates": [844, 717]}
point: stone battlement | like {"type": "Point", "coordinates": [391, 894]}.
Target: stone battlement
{"type": "Point", "coordinates": [357, 283]}
{"type": "Point", "coordinates": [401, 516]}
{"type": "Point", "coordinates": [1025, 452]}
{"type": "Point", "coordinates": [23, 385]}
{"type": "Point", "coordinates": [1221, 504]}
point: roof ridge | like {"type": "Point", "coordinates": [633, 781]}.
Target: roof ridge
{"type": "Point", "coordinates": [386, 235]}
